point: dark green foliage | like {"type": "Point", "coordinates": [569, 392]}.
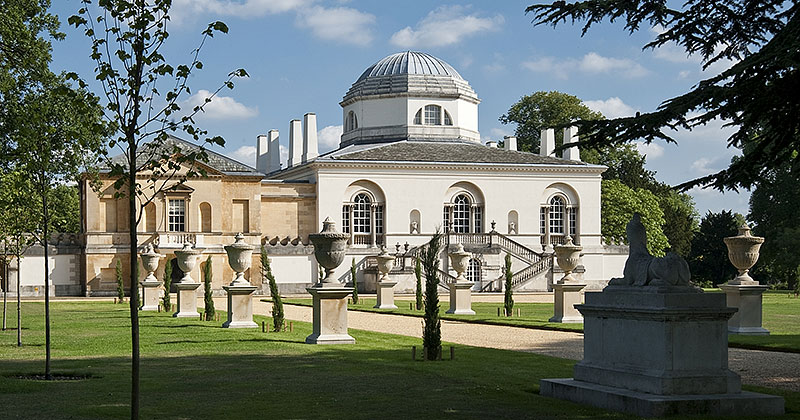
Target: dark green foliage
{"type": "Point", "coordinates": [277, 302]}
{"type": "Point", "coordinates": [120, 285]}
{"type": "Point", "coordinates": [508, 301]}
{"type": "Point", "coordinates": [774, 211]}
{"type": "Point", "coordinates": [65, 213]}
{"type": "Point", "coordinates": [432, 329]}
{"type": "Point", "coordinates": [207, 299]}
{"type": "Point", "coordinates": [620, 203]}
{"type": "Point", "coordinates": [355, 282]}
{"type": "Point", "coordinates": [757, 94]}
{"type": "Point", "coordinates": [418, 289]}
{"type": "Point", "coordinates": [167, 285]}
{"type": "Point", "coordinates": [708, 260]}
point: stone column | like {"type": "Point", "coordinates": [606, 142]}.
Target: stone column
{"type": "Point", "coordinates": [330, 297]}
{"type": "Point", "coordinates": [150, 284]}
{"type": "Point", "coordinates": [567, 291]}
{"type": "Point", "coordinates": [385, 286]}
{"type": "Point", "coordinates": [240, 302]}
{"type": "Point", "coordinates": [187, 287]}
{"type": "Point", "coordinates": [461, 289]}
{"type": "Point", "coordinates": [743, 292]}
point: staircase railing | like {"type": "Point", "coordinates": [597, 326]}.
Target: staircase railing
{"type": "Point", "coordinates": [533, 270]}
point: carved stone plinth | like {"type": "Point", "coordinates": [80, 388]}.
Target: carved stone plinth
{"type": "Point", "coordinates": [747, 299]}
{"type": "Point", "coordinates": [150, 295]}
{"type": "Point", "coordinates": [461, 298]}
{"type": "Point", "coordinates": [386, 295]}
{"type": "Point", "coordinates": [566, 296]}
{"type": "Point", "coordinates": [330, 315]}
{"type": "Point", "coordinates": [187, 300]}
{"type": "Point", "coordinates": [240, 307]}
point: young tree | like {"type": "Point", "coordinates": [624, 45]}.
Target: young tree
{"type": "Point", "coordinates": [355, 282]}
{"type": "Point", "coordinates": [120, 282]}
{"type": "Point", "coordinates": [708, 260]}
{"type": "Point", "coordinates": [622, 203]}
{"type": "Point", "coordinates": [277, 302]}
{"type": "Point", "coordinates": [418, 276]}
{"type": "Point", "coordinates": [207, 297]}
{"type": "Point", "coordinates": [165, 302]}
{"type": "Point", "coordinates": [508, 301]}
{"type": "Point", "coordinates": [143, 96]}
{"type": "Point", "coordinates": [757, 94]}
{"type": "Point", "coordinates": [432, 328]}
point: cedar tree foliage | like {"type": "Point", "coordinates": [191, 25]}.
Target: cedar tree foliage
{"type": "Point", "coordinates": [432, 329]}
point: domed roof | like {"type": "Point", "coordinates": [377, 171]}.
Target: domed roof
{"type": "Point", "coordinates": [410, 62]}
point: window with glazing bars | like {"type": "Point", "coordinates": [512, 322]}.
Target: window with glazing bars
{"type": "Point", "coordinates": [557, 215]}
{"type": "Point", "coordinates": [477, 216]}
{"type": "Point", "coordinates": [361, 214]}
{"type": "Point", "coordinates": [446, 218]}
{"type": "Point", "coordinates": [379, 220]}
{"type": "Point", "coordinates": [573, 222]}
{"type": "Point", "coordinates": [447, 119]}
{"type": "Point", "coordinates": [418, 117]}
{"type": "Point", "coordinates": [474, 270]}
{"type": "Point", "coordinates": [461, 214]}
{"type": "Point", "coordinates": [433, 115]}
{"type": "Point", "coordinates": [542, 220]}
{"type": "Point", "coordinates": [346, 218]}
{"type": "Point", "coordinates": [177, 215]}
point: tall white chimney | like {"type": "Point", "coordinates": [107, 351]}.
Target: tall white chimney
{"type": "Point", "coordinates": [510, 143]}
{"type": "Point", "coordinates": [547, 142]}
{"type": "Point", "coordinates": [274, 159]}
{"type": "Point", "coordinates": [262, 154]}
{"type": "Point", "coordinates": [310, 150]}
{"type": "Point", "coordinates": [571, 136]}
{"type": "Point", "coordinates": [295, 143]}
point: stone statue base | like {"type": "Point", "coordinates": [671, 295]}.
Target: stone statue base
{"type": "Point", "coordinates": [565, 296]}
{"type": "Point", "coordinates": [330, 315]}
{"type": "Point", "coordinates": [187, 300]}
{"type": "Point", "coordinates": [461, 298]}
{"type": "Point", "coordinates": [746, 298]}
{"type": "Point", "coordinates": [149, 295]}
{"type": "Point", "coordinates": [656, 351]}
{"type": "Point", "coordinates": [240, 307]}
{"type": "Point", "coordinates": [386, 295]}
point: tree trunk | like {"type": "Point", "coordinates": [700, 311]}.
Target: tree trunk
{"type": "Point", "coordinates": [134, 300]}
{"type": "Point", "coordinates": [45, 234]}
{"type": "Point", "coordinates": [19, 305]}
{"type": "Point", "coordinates": [5, 289]}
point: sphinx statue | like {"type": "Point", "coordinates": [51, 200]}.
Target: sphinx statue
{"type": "Point", "coordinates": [643, 269]}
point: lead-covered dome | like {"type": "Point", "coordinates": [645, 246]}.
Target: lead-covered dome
{"type": "Point", "coordinates": [410, 62]}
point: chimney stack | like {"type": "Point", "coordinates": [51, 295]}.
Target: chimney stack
{"type": "Point", "coordinates": [510, 143]}
{"type": "Point", "coordinates": [295, 143]}
{"type": "Point", "coordinates": [262, 154]}
{"type": "Point", "coordinates": [571, 136]}
{"type": "Point", "coordinates": [268, 153]}
{"type": "Point", "coordinates": [547, 142]}
{"type": "Point", "coordinates": [492, 144]}
{"type": "Point", "coordinates": [310, 150]}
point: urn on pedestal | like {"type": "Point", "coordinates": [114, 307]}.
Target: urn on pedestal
{"type": "Point", "coordinates": [743, 292]}
{"type": "Point", "coordinates": [330, 297]}
{"type": "Point", "coordinates": [461, 289]}
{"type": "Point", "coordinates": [567, 291]}
{"type": "Point", "coordinates": [150, 284]}
{"type": "Point", "coordinates": [187, 287]}
{"type": "Point", "coordinates": [385, 286]}
{"type": "Point", "coordinates": [240, 302]}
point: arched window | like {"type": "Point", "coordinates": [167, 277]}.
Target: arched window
{"type": "Point", "coordinates": [463, 215]}
{"type": "Point", "coordinates": [150, 217]}
{"type": "Point", "coordinates": [433, 115]}
{"type": "Point", "coordinates": [205, 217]}
{"type": "Point", "coordinates": [557, 207]}
{"type": "Point", "coordinates": [447, 119]}
{"type": "Point", "coordinates": [418, 117]}
{"type": "Point", "coordinates": [461, 209]}
{"type": "Point", "coordinates": [362, 214]}
{"type": "Point", "coordinates": [474, 270]}
{"type": "Point", "coordinates": [557, 220]}
{"type": "Point", "coordinates": [363, 220]}
{"type": "Point", "coordinates": [351, 123]}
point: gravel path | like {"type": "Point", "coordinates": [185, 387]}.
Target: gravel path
{"type": "Point", "coordinates": [763, 368]}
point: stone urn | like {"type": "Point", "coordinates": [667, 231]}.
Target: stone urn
{"type": "Point", "coordinates": [459, 260]}
{"type": "Point", "coordinates": [743, 253]}
{"type": "Point", "coordinates": [150, 284]}
{"type": "Point", "coordinates": [385, 264]}
{"type": "Point", "coordinates": [187, 260]}
{"type": "Point", "coordinates": [330, 248]}
{"type": "Point", "coordinates": [240, 256]}
{"type": "Point", "coordinates": [385, 287]}
{"type": "Point", "coordinates": [567, 257]}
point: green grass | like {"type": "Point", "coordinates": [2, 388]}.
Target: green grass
{"type": "Point", "coordinates": [195, 369]}
{"type": "Point", "coordinates": [781, 316]}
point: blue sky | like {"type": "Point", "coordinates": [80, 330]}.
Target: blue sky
{"type": "Point", "coordinates": [303, 55]}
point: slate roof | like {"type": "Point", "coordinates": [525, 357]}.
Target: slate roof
{"type": "Point", "coordinates": [409, 62]}
{"type": "Point", "coordinates": [455, 152]}
{"type": "Point", "coordinates": [216, 161]}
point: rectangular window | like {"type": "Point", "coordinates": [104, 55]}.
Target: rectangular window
{"type": "Point", "coordinates": [361, 218]}
{"type": "Point", "coordinates": [446, 219]}
{"type": "Point", "coordinates": [379, 220]}
{"type": "Point", "coordinates": [573, 222]}
{"type": "Point", "coordinates": [433, 115]}
{"type": "Point", "coordinates": [556, 220]}
{"type": "Point", "coordinates": [177, 215]}
{"type": "Point", "coordinates": [478, 219]}
{"type": "Point", "coordinates": [542, 220]}
{"type": "Point", "coordinates": [346, 219]}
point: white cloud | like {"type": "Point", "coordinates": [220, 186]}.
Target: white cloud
{"type": "Point", "coordinates": [183, 9]}
{"type": "Point", "coordinates": [683, 74]}
{"type": "Point", "coordinates": [340, 24]}
{"type": "Point", "coordinates": [651, 150]}
{"type": "Point", "coordinates": [611, 107]}
{"type": "Point", "coordinates": [702, 166]}
{"type": "Point", "coordinates": [445, 25]}
{"type": "Point", "coordinates": [329, 137]}
{"type": "Point", "coordinates": [220, 107]}
{"type": "Point", "coordinates": [591, 63]}
{"type": "Point", "coordinates": [284, 156]}
{"type": "Point", "coordinates": [245, 154]}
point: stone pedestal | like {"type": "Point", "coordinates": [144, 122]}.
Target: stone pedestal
{"type": "Point", "coordinates": [240, 307]}
{"type": "Point", "coordinates": [330, 315]}
{"type": "Point", "coordinates": [150, 295]}
{"type": "Point", "coordinates": [187, 300]}
{"type": "Point", "coordinates": [747, 299]}
{"type": "Point", "coordinates": [566, 296]}
{"type": "Point", "coordinates": [461, 298]}
{"type": "Point", "coordinates": [386, 295]}
{"type": "Point", "coordinates": [656, 351]}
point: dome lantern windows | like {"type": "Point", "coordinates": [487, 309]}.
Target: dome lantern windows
{"type": "Point", "coordinates": [432, 115]}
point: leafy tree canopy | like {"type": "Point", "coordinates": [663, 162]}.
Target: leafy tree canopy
{"type": "Point", "coordinates": [620, 203]}
{"type": "Point", "coordinates": [757, 94]}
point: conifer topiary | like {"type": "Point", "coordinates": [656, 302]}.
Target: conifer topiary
{"type": "Point", "coordinates": [508, 302]}
{"type": "Point", "coordinates": [355, 282]}
{"type": "Point", "coordinates": [277, 302]}
{"type": "Point", "coordinates": [120, 284]}
{"type": "Point", "coordinates": [432, 329]}
{"type": "Point", "coordinates": [207, 280]}
{"type": "Point", "coordinates": [418, 275]}
{"type": "Point", "coordinates": [167, 285]}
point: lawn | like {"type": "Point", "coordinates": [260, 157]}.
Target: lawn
{"type": "Point", "coordinates": [195, 369]}
{"type": "Point", "coordinates": [781, 316]}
